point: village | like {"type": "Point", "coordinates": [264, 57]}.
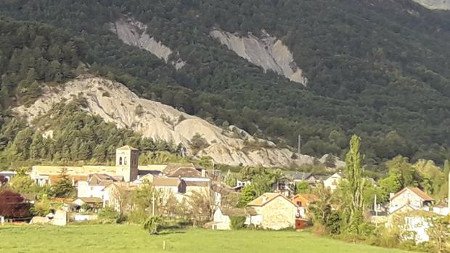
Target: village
{"type": "Point", "coordinates": [205, 198]}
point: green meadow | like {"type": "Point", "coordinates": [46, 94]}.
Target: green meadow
{"type": "Point", "coordinates": [132, 238]}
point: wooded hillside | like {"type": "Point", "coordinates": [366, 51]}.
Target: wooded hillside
{"type": "Point", "coordinates": [378, 68]}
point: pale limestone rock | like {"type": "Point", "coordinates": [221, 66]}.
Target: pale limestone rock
{"type": "Point", "coordinates": [115, 103]}
{"type": "Point", "coordinates": [434, 4]}
{"type": "Point", "coordinates": [134, 33]}
{"type": "Point", "coordinates": [267, 52]}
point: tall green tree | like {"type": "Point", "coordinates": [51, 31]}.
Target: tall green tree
{"type": "Point", "coordinates": [353, 173]}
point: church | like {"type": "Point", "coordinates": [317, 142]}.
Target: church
{"type": "Point", "coordinates": [126, 169]}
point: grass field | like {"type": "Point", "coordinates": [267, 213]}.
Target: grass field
{"type": "Point", "coordinates": [130, 238]}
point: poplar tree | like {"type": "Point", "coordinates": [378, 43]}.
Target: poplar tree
{"type": "Point", "coordinates": [353, 173]}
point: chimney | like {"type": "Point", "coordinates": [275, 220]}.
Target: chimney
{"type": "Point", "coordinates": [203, 173]}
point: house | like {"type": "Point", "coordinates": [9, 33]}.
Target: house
{"type": "Point", "coordinates": [222, 220]}
{"type": "Point", "coordinates": [184, 171]}
{"type": "Point", "coordinates": [333, 181]}
{"type": "Point", "coordinates": [297, 177]}
{"type": "Point", "coordinates": [95, 185]}
{"type": "Point", "coordinates": [411, 196]}
{"type": "Point", "coordinates": [116, 194]}
{"type": "Point", "coordinates": [273, 211]}
{"type": "Point", "coordinates": [284, 186]}
{"type": "Point", "coordinates": [148, 172]}
{"type": "Point", "coordinates": [170, 186]}
{"type": "Point", "coordinates": [303, 201]}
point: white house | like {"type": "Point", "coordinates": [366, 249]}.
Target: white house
{"type": "Point", "coordinates": [333, 181]}
{"type": "Point", "coordinates": [411, 196]}
{"type": "Point", "coordinates": [95, 185]}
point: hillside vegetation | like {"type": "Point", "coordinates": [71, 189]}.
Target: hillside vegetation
{"type": "Point", "coordinates": [378, 68]}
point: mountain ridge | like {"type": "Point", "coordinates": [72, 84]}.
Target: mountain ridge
{"type": "Point", "coordinates": [113, 102]}
{"type": "Point", "coordinates": [377, 68]}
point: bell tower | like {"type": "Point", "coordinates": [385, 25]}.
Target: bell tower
{"type": "Point", "coordinates": [127, 159]}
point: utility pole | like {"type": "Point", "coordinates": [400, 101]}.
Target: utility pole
{"type": "Point", "coordinates": [299, 144]}
{"type": "Point", "coordinates": [153, 203]}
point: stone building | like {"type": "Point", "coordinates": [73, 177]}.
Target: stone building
{"type": "Point", "coordinates": [126, 167]}
{"type": "Point", "coordinates": [272, 211]}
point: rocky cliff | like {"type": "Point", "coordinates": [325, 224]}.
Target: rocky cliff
{"type": "Point", "coordinates": [116, 103]}
{"type": "Point", "coordinates": [434, 4]}
{"type": "Point", "coordinates": [134, 33]}
{"type": "Point", "coordinates": [267, 52]}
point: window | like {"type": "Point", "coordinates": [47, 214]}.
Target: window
{"type": "Point", "coordinates": [124, 161]}
{"type": "Point", "coordinates": [120, 160]}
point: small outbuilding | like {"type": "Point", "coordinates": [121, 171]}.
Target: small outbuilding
{"type": "Point", "coordinates": [222, 217]}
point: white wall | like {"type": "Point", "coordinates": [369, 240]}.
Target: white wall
{"type": "Point", "coordinates": [85, 190]}
{"type": "Point", "coordinates": [221, 221]}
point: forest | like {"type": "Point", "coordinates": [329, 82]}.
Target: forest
{"type": "Point", "coordinates": [378, 69]}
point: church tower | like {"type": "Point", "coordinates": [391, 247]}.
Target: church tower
{"type": "Point", "coordinates": [127, 159]}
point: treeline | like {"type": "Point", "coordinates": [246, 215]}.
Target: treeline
{"type": "Point", "coordinates": [68, 134]}
{"type": "Point", "coordinates": [374, 69]}
{"type": "Point", "coordinates": [31, 53]}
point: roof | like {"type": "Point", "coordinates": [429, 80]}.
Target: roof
{"type": "Point", "coordinates": [230, 211]}
{"type": "Point", "coordinates": [127, 147]}
{"type": "Point", "coordinates": [73, 170]}
{"type": "Point", "coordinates": [173, 167]}
{"type": "Point", "coordinates": [56, 178]}
{"type": "Point", "coordinates": [197, 183]}
{"type": "Point", "coordinates": [90, 200]}
{"type": "Point", "coordinates": [297, 175]}
{"type": "Point", "coordinates": [166, 181]}
{"type": "Point", "coordinates": [266, 198]}
{"type": "Point", "coordinates": [102, 179]}
{"type": "Point", "coordinates": [415, 190]}
{"type": "Point", "coordinates": [8, 172]}
{"type": "Point", "coordinates": [153, 167]}
{"type": "Point", "coordinates": [309, 197]}
{"type": "Point", "coordinates": [185, 172]}
{"type": "Point", "coordinates": [123, 185]}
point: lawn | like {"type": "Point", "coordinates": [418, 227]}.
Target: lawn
{"type": "Point", "coordinates": [131, 238]}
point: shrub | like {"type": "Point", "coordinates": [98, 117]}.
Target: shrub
{"type": "Point", "coordinates": [237, 222]}
{"type": "Point", "coordinates": [108, 215]}
{"type": "Point", "coordinates": [153, 225]}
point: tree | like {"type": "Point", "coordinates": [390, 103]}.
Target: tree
{"type": "Point", "coordinates": [302, 187]}
{"type": "Point", "coordinates": [201, 204]}
{"type": "Point", "coordinates": [248, 194]}
{"type": "Point", "coordinates": [153, 225]}
{"type": "Point", "coordinates": [23, 184]}
{"type": "Point", "coordinates": [438, 233]}
{"type": "Point", "coordinates": [13, 205]}
{"type": "Point", "coordinates": [353, 214]}
{"type": "Point", "coordinates": [325, 219]}
{"type": "Point", "coordinates": [63, 188]}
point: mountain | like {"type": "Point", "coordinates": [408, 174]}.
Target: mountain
{"type": "Point", "coordinates": [115, 103]}
{"type": "Point", "coordinates": [377, 68]}
{"type": "Point", "coordinates": [435, 4]}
